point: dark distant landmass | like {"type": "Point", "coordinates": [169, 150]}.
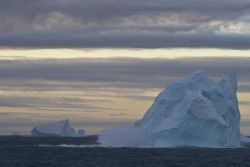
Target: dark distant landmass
{"type": "Point", "coordinates": [13, 141]}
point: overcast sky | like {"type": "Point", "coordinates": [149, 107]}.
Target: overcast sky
{"type": "Point", "coordinates": [129, 24]}
{"type": "Point", "coordinates": [100, 93]}
{"type": "Point", "coordinates": [50, 50]}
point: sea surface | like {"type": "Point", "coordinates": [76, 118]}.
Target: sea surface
{"type": "Point", "coordinates": [85, 152]}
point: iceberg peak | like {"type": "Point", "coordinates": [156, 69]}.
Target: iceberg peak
{"type": "Point", "coordinates": [232, 77]}
{"type": "Point", "coordinates": [197, 74]}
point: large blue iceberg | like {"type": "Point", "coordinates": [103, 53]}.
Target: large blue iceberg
{"type": "Point", "coordinates": [195, 111]}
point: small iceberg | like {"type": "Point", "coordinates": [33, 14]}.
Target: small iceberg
{"type": "Point", "coordinates": [58, 129]}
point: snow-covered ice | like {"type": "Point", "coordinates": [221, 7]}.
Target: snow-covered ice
{"type": "Point", "coordinates": [60, 128]}
{"type": "Point", "coordinates": [195, 111]}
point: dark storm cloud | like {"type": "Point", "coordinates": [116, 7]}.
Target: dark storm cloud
{"type": "Point", "coordinates": [131, 23]}
{"type": "Point", "coordinates": [130, 40]}
{"type": "Point", "coordinates": [49, 103]}
{"type": "Point", "coordinates": [124, 78]}
{"type": "Point", "coordinates": [96, 74]}
{"type": "Point", "coordinates": [92, 10]}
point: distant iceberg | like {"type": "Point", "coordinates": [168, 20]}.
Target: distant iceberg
{"type": "Point", "coordinates": [81, 132]}
{"type": "Point", "coordinates": [60, 129]}
{"type": "Point", "coordinates": [195, 111]}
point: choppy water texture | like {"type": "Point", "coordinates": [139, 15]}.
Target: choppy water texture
{"type": "Point", "coordinates": [63, 152]}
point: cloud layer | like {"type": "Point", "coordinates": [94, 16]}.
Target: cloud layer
{"type": "Point", "coordinates": [122, 78]}
{"type": "Point", "coordinates": [128, 24]}
{"type": "Point", "coordinates": [92, 92]}
{"type": "Point", "coordinates": [105, 75]}
{"type": "Point", "coordinates": [120, 70]}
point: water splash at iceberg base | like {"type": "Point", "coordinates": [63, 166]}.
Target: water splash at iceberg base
{"type": "Point", "coordinates": [195, 111]}
{"type": "Point", "coordinates": [124, 136]}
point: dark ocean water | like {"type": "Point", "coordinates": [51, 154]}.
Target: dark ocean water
{"type": "Point", "coordinates": [48, 152]}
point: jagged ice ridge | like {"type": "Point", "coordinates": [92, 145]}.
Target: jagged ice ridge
{"type": "Point", "coordinates": [195, 111]}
